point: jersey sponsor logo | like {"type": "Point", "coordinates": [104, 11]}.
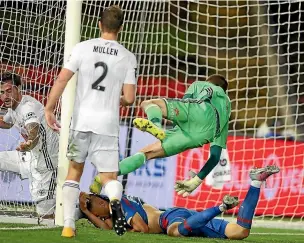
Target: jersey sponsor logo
{"type": "Point", "coordinates": [223, 162]}
{"type": "Point", "coordinates": [29, 116]}
{"type": "Point", "coordinates": [105, 50]}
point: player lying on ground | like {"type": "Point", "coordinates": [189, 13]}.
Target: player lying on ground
{"type": "Point", "coordinates": [180, 221]}
{"type": "Point", "coordinates": [106, 68]}
{"type": "Point", "coordinates": [201, 117]}
{"type": "Point", "coordinates": [95, 208]}
{"type": "Point", "coordinates": [36, 158]}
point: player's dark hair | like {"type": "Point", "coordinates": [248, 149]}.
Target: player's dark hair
{"type": "Point", "coordinates": [218, 80]}
{"type": "Point", "coordinates": [112, 19]}
{"type": "Point", "coordinates": [103, 197]}
{"type": "Point", "coordinates": [10, 77]}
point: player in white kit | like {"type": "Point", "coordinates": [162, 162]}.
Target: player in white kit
{"type": "Point", "coordinates": [105, 69]}
{"type": "Point", "coordinates": [36, 158]}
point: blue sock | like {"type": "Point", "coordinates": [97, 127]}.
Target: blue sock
{"type": "Point", "coordinates": [247, 208]}
{"type": "Point", "coordinates": [198, 220]}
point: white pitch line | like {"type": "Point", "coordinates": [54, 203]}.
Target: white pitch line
{"type": "Point", "coordinates": [48, 227]}
{"type": "Point", "coordinates": [29, 228]}
{"type": "Point", "coordinates": [277, 233]}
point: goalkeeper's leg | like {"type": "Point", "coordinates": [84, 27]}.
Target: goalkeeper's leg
{"type": "Point", "coordinates": [176, 141]}
{"type": "Point", "coordinates": [155, 109]}
{"type": "Point", "coordinates": [173, 110]}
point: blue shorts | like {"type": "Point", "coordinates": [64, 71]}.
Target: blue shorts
{"type": "Point", "coordinates": [173, 215]}
{"type": "Point", "coordinates": [215, 228]}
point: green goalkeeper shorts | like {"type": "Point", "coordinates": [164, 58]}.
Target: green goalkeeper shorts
{"type": "Point", "coordinates": [196, 125]}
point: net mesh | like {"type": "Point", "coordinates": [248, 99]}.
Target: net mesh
{"type": "Point", "coordinates": [31, 41]}
{"type": "Point", "coordinates": [257, 45]}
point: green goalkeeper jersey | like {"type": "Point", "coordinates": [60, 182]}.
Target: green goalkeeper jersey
{"type": "Point", "coordinates": [206, 91]}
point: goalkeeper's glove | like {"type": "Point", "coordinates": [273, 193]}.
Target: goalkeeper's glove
{"type": "Point", "coordinates": [185, 187]}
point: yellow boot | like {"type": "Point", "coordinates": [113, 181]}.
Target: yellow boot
{"type": "Point", "coordinates": [68, 232]}
{"type": "Point", "coordinates": [148, 126]}
{"type": "Point", "coordinates": [96, 187]}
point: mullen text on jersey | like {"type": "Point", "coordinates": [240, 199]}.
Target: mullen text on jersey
{"type": "Point", "coordinates": [105, 50]}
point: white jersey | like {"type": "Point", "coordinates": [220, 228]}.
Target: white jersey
{"type": "Point", "coordinates": [29, 111]}
{"type": "Point", "coordinates": [104, 66]}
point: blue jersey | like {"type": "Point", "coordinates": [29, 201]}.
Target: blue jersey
{"type": "Point", "coordinates": [132, 205]}
{"type": "Point", "coordinates": [215, 228]}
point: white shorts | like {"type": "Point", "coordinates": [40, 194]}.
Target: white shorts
{"type": "Point", "coordinates": [42, 182]}
{"type": "Point", "coordinates": [101, 150]}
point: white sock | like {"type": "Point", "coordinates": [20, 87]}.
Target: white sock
{"type": "Point", "coordinates": [256, 184]}
{"type": "Point", "coordinates": [113, 189]}
{"type": "Point", "coordinates": [70, 192]}
{"type": "Point", "coordinates": [223, 208]}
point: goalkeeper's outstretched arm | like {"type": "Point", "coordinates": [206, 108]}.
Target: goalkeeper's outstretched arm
{"type": "Point", "coordinates": [215, 155]}
{"type": "Point", "coordinates": [186, 187]}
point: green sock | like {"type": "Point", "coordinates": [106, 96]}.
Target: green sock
{"type": "Point", "coordinates": [154, 114]}
{"type": "Point", "coordinates": [131, 163]}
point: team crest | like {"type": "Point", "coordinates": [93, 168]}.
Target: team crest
{"type": "Point", "coordinates": [176, 111]}
{"type": "Point", "coordinates": [41, 192]}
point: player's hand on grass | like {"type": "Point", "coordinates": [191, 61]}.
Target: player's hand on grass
{"type": "Point", "coordinates": [25, 146]}
{"type": "Point", "coordinates": [83, 201]}
{"type": "Point", "coordinates": [185, 187]}
{"type": "Point", "coordinates": [51, 120]}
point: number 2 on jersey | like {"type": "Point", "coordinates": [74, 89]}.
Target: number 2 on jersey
{"type": "Point", "coordinates": [96, 85]}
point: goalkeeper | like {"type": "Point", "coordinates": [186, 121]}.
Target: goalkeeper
{"type": "Point", "coordinates": [201, 117]}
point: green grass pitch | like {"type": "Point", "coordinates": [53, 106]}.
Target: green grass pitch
{"type": "Point", "coordinates": [87, 233]}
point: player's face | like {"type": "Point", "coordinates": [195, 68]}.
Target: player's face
{"type": "Point", "coordinates": [9, 95]}
{"type": "Point", "coordinates": [99, 207]}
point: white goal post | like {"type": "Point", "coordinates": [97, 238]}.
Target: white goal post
{"type": "Point", "coordinates": [72, 37]}
{"type": "Point", "coordinates": [257, 45]}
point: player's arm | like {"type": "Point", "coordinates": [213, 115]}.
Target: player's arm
{"type": "Point", "coordinates": [129, 85]}
{"type": "Point", "coordinates": [97, 222]}
{"type": "Point", "coordinates": [61, 82]}
{"type": "Point", "coordinates": [3, 124]}
{"type": "Point", "coordinates": [186, 187]}
{"type": "Point", "coordinates": [56, 91]}
{"type": "Point", "coordinates": [128, 96]}
{"type": "Point", "coordinates": [215, 155]}
{"type": "Point", "coordinates": [32, 125]}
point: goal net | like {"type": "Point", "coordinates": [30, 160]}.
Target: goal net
{"type": "Point", "coordinates": [31, 41]}
{"type": "Point", "coordinates": [257, 45]}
